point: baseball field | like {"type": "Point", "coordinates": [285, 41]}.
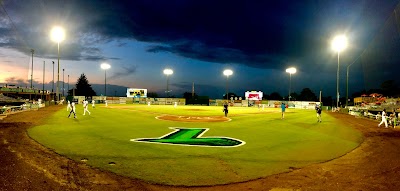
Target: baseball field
{"type": "Point", "coordinates": [195, 145]}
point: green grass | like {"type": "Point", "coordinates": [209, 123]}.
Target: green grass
{"type": "Point", "coordinates": [272, 145]}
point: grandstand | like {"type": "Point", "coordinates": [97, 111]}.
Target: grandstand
{"type": "Point", "coordinates": [5, 100]}
{"type": "Point", "coordinates": [25, 93]}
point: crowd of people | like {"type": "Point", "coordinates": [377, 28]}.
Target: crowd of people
{"type": "Point", "coordinates": [390, 120]}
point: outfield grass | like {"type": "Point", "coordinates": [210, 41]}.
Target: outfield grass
{"type": "Point", "coordinates": [271, 145]}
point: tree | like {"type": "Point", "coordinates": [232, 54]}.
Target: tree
{"type": "Point", "coordinates": [275, 96]}
{"type": "Point", "coordinates": [327, 101]}
{"type": "Point", "coordinates": [82, 87]}
{"type": "Point", "coordinates": [307, 95]}
{"type": "Point", "coordinates": [293, 96]}
{"type": "Point", "coordinates": [152, 94]}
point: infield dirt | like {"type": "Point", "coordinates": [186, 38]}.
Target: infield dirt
{"type": "Point", "coordinates": [27, 165]}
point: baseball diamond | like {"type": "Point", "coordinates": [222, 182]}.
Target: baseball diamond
{"type": "Point", "coordinates": [217, 153]}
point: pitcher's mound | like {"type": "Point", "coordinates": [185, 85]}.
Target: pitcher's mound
{"type": "Point", "coordinates": [193, 118]}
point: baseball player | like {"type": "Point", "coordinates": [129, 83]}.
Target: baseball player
{"type": "Point", "coordinates": [85, 107]}
{"type": "Point", "coordinates": [105, 101]}
{"type": "Point", "coordinates": [72, 110]}
{"type": "Point", "coordinates": [93, 106]}
{"type": "Point", "coordinates": [283, 107]}
{"type": "Point", "coordinates": [319, 111]}
{"type": "Point", "coordinates": [383, 119]}
{"type": "Point", "coordinates": [225, 110]}
{"type": "Point", "coordinates": [69, 106]}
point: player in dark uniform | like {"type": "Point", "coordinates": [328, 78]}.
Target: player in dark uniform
{"type": "Point", "coordinates": [226, 109]}
{"type": "Point", "coordinates": [319, 111]}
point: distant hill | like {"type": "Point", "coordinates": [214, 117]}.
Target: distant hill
{"type": "Point", "coordinates": [112, 90]}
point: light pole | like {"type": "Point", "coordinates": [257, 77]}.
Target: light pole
{"type": "Point", "coordinates": [291, 71]}
{"type": "Point", "coordinates": [339, 43]}
{"type": "Point", "coordinates": [227, 73]}
{"type": "Point", "coordinates": [68, 83]}
{"type": "Point", "coordinates": [30, 94]}
{"type": "Point", "coordinates": [44, 66]}
{"type": "Point", "coordinates": [168, 72]}
{"type": "Point", "coordinates": [63, 82]}
{"type": "Point", "coordinates": [105, 67]}
{"type": "Point", "coordinates": [32, 51]}
{"type": "Point", "coordinates": [52, 88]}
{"type": "Point", "coordinates": [58, 35]}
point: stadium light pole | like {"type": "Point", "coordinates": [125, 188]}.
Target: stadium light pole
{"type": "Point", "coordinates": [168, 72]}
{"type": "Point", "coordinates": [339, 43]}
{"type": "Point", "coordinates": [291, 71]}
{"type": "Point", "coordinates": [30, 94]}
{"type": "Point", "coordinates": [105, 67]}
{"type": "Point", "coordinates": [52, 87]}
{"type": "Point", "coordinates": [44, 66]}
{"type": "Point", "coordinates": [63, 82]}
{"type": "Point", "coordinates": [32, 51]}
{"type": "Point", "coordinates": [227, 73]}
{"type": "Point", "coordinates": [58, 35]}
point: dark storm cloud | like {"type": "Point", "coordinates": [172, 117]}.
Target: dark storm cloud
{"type": "Point", "coordinates": [124, 71]}
{"type": "Point", "coordinates": [261, 34]}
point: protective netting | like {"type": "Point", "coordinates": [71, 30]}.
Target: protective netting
{"type": "Point", "coordinates": [380, 61]}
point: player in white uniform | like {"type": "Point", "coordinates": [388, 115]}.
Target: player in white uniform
{"type": "Point", "coordinates": [106, 103]}
{"type": "Point", "coordinates": [69, 106]}
{"type": "Point", "coordinates": [383, 119]}
{"type": "Point", "coordinates": [93, 104]}
{"type": "Point", "coordinates": [85, 107]}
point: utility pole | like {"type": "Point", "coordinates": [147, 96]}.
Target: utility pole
{"type": "Point", "coordinates": [52, 88]}
{"type": "Point", "coordinates": [193, 90]}
{"type": "Point", "coordinates": [63, 82]}
{"type": "Point", "coordinates": [44, 65]}
{"type": "Point", "coordinates": [30, 94]}
{"type": "Point", "coordinates": [32, 51]}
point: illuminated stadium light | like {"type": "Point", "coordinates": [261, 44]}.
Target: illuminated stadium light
{"type": "Point", "coordinates": [227, 73]}
{"type": "Point", "coordinates": [339, 43]}
{"type": "Point", "coordinates": [168, 72]}
{"type": "Point", "coordinates": [57, 34]}
{"type": "Point", "coordinates": [291, 71]}
{"type": "Point", "coordinates": [105, 67]}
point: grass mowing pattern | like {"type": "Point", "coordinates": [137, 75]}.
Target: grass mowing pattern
{"type": "Point", "coordinates": [272, 145]}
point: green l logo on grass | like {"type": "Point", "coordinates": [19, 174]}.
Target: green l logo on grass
{"type": "Point", "coordinates": [192, 137]}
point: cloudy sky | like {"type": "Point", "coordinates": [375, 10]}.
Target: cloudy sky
{"type": "Point", "coordinates": [198, 39]}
